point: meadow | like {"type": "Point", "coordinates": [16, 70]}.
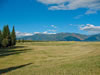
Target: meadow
{"type": "Point", "coordinates": [51, 58]}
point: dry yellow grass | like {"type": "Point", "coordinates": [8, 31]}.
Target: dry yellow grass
{"type": "Point", "coordinates": [51, 58]}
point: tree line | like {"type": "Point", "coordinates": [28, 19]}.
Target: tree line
{"type": "Point", "coordinates": [7, 38]}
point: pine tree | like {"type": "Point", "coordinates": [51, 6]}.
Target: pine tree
{"type": "Point", "coordinates": [4, 32]}
{"type": "Point", "coordinates": [0, 39]}
{"type": "Point", "coordinates": [13, 37]}
{"type": "Point", "coordinates": [7, 39]}
{"type": "Point", "coordinates": [4, 35]}
{"type": "Point", "coordinates": [8, 35]}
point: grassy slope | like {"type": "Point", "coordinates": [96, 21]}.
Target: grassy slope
{"type": "Point", "coordinates": [51, 58]}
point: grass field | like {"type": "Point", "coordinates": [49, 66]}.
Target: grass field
{"type": "Point", "coordinates": [51, 58]}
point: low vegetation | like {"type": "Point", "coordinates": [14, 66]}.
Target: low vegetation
{"type": "Point", "coordinates": [51, 58]}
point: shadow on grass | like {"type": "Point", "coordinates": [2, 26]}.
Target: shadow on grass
{"type": "Point", "coordinates": [11, 51]}
{"type": "Point", "coordinates": [12, 68]}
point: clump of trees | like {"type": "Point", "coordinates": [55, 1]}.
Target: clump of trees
{"type": "Point", "coordinates": [7, 38]}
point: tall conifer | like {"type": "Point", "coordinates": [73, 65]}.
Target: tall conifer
{"type": "Point", "coordinates": [8, 35]}
{"type": "Point", "coordinates": [0, 39]}
{"type": "Point", "coordinates": [13, 36]}
{"type": "Point", "coordinates": [4, 32]}
{"type": "Point", "coordinates": [7, 39]}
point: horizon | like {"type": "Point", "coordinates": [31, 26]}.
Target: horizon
{"type": "Point", "coordinates": [51, 17]}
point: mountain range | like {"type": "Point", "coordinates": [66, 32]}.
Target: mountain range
{"type": "Point", "coordinates": [93, 38]}
{"type": "Point", "coordinates": [63, 37]}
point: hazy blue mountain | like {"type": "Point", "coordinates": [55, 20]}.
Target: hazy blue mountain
{"type": "Point", "coordinates": [93, 38]}
{"type": "Point", "coordinates": [71, 38]}
{"type": "Point", "coordinates": [57, 37]}
{"type": "Point", "coordinates": [63, 37]}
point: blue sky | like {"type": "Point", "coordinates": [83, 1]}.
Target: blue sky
{"type": "Point", "coordinates": [50, 16]}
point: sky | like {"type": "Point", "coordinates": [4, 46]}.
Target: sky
{"type": "Point", "coordinates": [51, 16]}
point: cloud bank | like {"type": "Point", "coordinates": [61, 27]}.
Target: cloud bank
{"type": "Point", "coordinates": [46, 32]}
{"type": "Point", "coordinates": [92, 6]}
{"type": "Point", "coordinates": [91, 28]}
{"type": "Point", "coordinates": [20, 34]}
{"type": "Point", "coordinates": [51, 30]}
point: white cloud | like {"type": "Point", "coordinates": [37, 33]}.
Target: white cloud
{"type": "Point", "coordinates": [52, 30]}
{"type": "Point", "coordinates": [20, 34]}
{"type": "Point", "coordinates": [52, 1]}
{"type": "Point", "coordinates": [92, 6]}
{"type": "Point", "coordinates": [79, 16]}
{"type": "Point", "coordinates": [91, 28]}
{"type": "Point", "coordinates": [53, 26]}
{"type": "Point", "coordinates": [37, 32]}
{"type": "Point", "coordinates": [51, 33]}
{"type": "Point", "coordinates": [45, 32]}
{"type": "Point", "coordinates": [76, 25]}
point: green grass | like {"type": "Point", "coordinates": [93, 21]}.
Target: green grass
{"type": "Point", "coordinates": [51, 58]}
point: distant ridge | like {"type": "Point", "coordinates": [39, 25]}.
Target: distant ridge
{"type": "Point", "coordinates": [63, 37]}
{"type": "Point", "coordinates": [93, 38]}
{"type": "Point", "coordinates": [57, 37]}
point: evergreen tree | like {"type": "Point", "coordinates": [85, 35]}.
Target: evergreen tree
{"type": "Point", "coordinates": [0, 39]}
{"type": "Point", "coordinates": [4, 35]}
{"type": "Point", "coordinates": [13, 37]}
{"type": "Point", "coordinates": [7, 39]}
{"type": "Point", "coordinates": [8, 35]}
{"type": "Point", "coordinates": [4, 32]}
